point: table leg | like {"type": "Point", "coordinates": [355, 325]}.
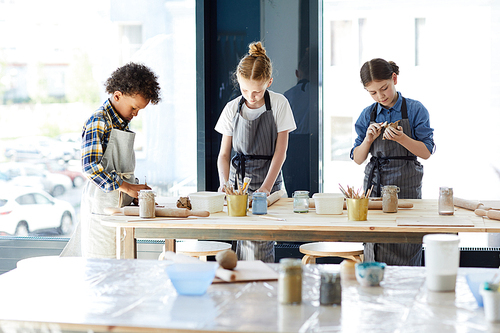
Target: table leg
{"type": "Point", "coordinates": [125, 241]}
{"type": "Point", "coordinates": [169, 245]}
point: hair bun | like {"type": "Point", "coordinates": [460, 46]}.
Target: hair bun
{"type": "Point", "coordinates": [256, 50]}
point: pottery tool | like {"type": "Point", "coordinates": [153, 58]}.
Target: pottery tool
{"type": "Point", "coordinates": [377, 205]}
{"type": "Point", "coordinates": [267, 217]}
{"type": "Point", "coordinates": [351, 193]}
{"type": "Point", "coordinates": [246, 183]}
{"type": "Point", "coordinates": [239, 186]}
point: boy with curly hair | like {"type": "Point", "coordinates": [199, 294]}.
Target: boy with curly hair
{"type": "Point", "coordinates": [108, 158]}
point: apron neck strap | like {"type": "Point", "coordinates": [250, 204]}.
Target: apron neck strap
{"type": "Point", "coordinates": [267, 101]}
{"type": "Point", "coordinates": [404, 111]}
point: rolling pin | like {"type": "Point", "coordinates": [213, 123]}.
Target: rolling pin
{"type": "Point", "coordinates": [375, 205]}
{"type": "Point", "coordinates": [481, 212]}
{"type": "Point", "coordinates": [275, 197]}
{"type": "Point", "coordinates": [493, 214]}
{"type": "Point", "coordinates": [467, 204]}
{"type": "Point", "coordinates": [159, 212]}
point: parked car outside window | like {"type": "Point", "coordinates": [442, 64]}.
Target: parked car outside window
{"type": "Point", "coordinates": [26, 174]}
{"type": "Point", "coordinates": [26, 209]}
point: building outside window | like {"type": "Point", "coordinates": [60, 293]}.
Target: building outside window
{"type": "Point", "coordinates": [54, 60]}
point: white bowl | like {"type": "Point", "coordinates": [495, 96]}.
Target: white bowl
{"type": "Point", "coordinates": [329, 203]}
{"type": "Point", "coordinates": [212, 202]}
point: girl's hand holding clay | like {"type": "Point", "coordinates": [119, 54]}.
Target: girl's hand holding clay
{"type": "Point", "coordinates": [393, 133]}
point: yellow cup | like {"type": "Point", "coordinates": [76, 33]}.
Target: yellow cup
{"type": "Point", "coordinates": [357, 209]}
{"type": "Point", "coordinates": [237, 205]}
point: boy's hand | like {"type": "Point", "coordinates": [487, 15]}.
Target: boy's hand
{"type": "Point", "coordinates": [133, 189]}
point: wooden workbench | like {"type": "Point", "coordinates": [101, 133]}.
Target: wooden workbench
{"type": "Point", "coordinates": [294, 227]}
{"type": "Point", "coordinates": [307, 227]}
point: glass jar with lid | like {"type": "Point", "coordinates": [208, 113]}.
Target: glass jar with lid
{"type": "Point", "coordinates": [446, 201]}
{"type": "Point", "coordinates": [301, 201]}
{"type": "Point", "coordinates": [290, 281]}
{"type": "Point", "coordinates": [390, 199]}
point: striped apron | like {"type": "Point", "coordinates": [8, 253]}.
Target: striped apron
{"type": "Point", "coordinates": [393, 164]}
{"type": "Point", "coordinates": [254, 142]}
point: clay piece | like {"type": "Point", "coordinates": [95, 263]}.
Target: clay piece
{"type": "Point", "coordinates": [184, 202]}
{"type": "Point", "coordinates": [393, 125]}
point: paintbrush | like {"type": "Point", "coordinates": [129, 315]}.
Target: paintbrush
{"type": "Point", "coordinates": [246, 183]}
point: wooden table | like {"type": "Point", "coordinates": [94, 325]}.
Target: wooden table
{"type": "Point", "coordinates": [110, 295]}
{"type": "Point", "coordinates": [308, 227]}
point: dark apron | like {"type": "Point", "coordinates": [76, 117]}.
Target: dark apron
{"type": "Point", "coordinates": [393, 164]}
{"type": "Point", "coordinates": [254, 142]}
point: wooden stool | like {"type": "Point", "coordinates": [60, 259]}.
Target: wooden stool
{"type": "Point", "coordinates": [200, 249]}
{"type": "Point", "coordinates": [331, 249]}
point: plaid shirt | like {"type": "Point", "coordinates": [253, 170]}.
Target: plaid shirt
{"type": "Point", "coordinates": [95, 137]}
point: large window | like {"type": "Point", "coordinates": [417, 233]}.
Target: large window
{"type": "Point", "coordinates": [54, 58]}
{"type": "Point", "coordinates": [448, 53]}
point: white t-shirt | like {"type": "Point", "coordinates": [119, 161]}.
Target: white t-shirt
{"type": "Point", "coordinates": [281, 110]}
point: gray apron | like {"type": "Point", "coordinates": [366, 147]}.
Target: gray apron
{"type": "Point", "coordinates": [92, 239]}
{"type": "Point", "coordinates": [254, 142]}
{"type": "Point", "coordinates": [393, 164]}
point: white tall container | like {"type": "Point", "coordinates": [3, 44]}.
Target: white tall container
{"type": "Point", "coordinates": [442, 257]}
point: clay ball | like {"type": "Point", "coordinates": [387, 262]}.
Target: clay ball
{"type": "Point", "coordinates": [227, 259]}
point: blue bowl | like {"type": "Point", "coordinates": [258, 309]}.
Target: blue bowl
{"type": "Point", "coordinates": [369, 274]}
{"type": "Point", "coordinates": [475, 282]}
{"type": "Point", "coordinates": [192, 279]}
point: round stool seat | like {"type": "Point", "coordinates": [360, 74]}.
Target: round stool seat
{"type": "Point", "coordinates": [346, 250]}
{"type": "Point", "coordinates": [200, 249]}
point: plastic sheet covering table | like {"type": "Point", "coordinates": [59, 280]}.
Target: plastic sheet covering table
{"type": "Point", "coordinates": [76, 294]}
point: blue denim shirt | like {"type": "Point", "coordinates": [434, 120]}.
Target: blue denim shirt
{"type": "Point", "coordinates": [418, 117]}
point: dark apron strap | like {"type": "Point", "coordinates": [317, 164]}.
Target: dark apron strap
{"type": "Point", "coordinates": [267, 100]}
{"type": "Point", "coordinates": [376, 165]}
{"type": "Point", "coordinates": [404, 111]}
{"type": "Point", "coordinates": [238, 160]}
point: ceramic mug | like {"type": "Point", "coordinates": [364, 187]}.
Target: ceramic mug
{"type": "Point", "coordinates": [370, 274]}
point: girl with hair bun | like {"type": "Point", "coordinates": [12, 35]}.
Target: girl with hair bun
{"type": "Point", "coordinates": [255, 125]}
{"type": "Point", "coordinates": [394, 149]}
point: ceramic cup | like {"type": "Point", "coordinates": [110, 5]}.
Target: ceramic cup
{"type": "Point", "coordinates": [491, 300]}
{"type": "Point", "coordinates": [370, 274]}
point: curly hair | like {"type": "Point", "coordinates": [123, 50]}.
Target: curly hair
{"type": "Point", "coordinates": [132, 79]}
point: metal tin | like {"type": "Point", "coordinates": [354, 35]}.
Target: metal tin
{"type": "Point", "coordinates": [301, 201]}
{"type": "Point", "coordinates": [259, 203]}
